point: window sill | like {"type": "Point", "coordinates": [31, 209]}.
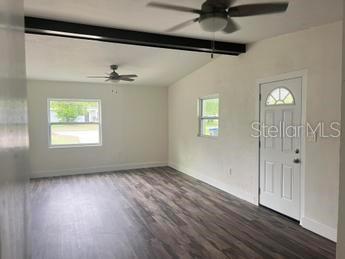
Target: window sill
{"type": "Point", "coordinates": [74, 146]}
{"type": "Point", "coordinates": [208, 137]}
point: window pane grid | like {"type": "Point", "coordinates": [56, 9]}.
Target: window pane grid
{"type": "Point", "coordinates": [280, 96]}
{"type": "Point", "coordinates": [74, 122]}
{"type": "Point", "coordinates": [209, 117]}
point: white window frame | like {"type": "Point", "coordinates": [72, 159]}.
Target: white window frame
{"type": "Point", "coordinates": [50, 145]}
{"type": "Point", "coordinates": [202, 118]}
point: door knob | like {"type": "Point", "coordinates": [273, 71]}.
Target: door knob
{"type": "Point", "coordinates": [297, 161]}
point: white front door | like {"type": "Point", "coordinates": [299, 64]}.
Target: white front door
{"type": "Point", "coordinates": [280, 146]}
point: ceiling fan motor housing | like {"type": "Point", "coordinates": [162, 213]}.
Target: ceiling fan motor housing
{"type": "Point", "coordinates": [114, 76]}
{"type": "Point", "coordinates": [213, 18]}
{"type": "Point", "coordinates": [114, 67]}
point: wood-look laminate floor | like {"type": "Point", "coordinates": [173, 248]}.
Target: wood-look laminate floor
{"type": "Point", "coordinates": [158, 213]}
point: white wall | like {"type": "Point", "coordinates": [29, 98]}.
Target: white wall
{"type": "Point", "coordinates": [317, 50]}
{"type": "Point", "coordinates": [13, 133]}
{"type": "Point", "coordinates": [134, 129]}
{"type": "Point", "coordinates": [341, 224]}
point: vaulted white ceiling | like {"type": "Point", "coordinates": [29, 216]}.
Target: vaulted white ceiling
{"type": "Point", "coordinates": [55, 58]}
{"type": "Point", "coordinates": [64, 59]}
{"type": "Point", "coordinates": [134, 14]}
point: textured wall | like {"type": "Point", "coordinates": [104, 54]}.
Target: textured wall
{"type": "Point", "coordinates": [341, 224]}
{"type": "Point", "coordinates": [317, 50]}
{"type": "Point", "coordinates": [134, 129]}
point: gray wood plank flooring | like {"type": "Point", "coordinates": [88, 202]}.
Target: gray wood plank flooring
{"type": "Point", "coordinates": [158, 213]}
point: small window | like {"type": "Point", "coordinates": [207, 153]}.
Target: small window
{"type": "Point", "coordinates": [280, 96]}
{"type": "Point", "coordinates": [209, 116]}
{"type": "Point", "coordinates": [74, 122]}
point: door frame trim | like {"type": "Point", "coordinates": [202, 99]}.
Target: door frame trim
{"type": "Point", "coordinates": [303, 74]}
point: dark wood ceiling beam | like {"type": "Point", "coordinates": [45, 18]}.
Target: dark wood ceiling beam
{"type": "Point", "coordinates": [34, 25]}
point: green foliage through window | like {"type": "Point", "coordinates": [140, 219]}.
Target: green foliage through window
{"type": "Point", "coordinates": [209, 117]}
{"type": "Point", "coordinates": [74, 122]}
{"type": "Point", "coordinates": [210, 107]}
{"type": "Point", "coordinates": [69, 111]}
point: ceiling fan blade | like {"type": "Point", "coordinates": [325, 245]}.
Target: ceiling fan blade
{"type": "Point", "coordinates": [98, 77]}
{"type": "Point", "coordinates": [182, 25]}
{"type": "Point", "coordinates": [128, 75]}
{"type": "Point", "coordinates": [231, 27]}
{"type": "Point", "coordinates": [257, 9]}
{"type": "Point", "coordinates": [174, 7]}
{"type": "Point", "coordinates": [126, 79]}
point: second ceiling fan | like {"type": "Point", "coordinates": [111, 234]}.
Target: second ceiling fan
{"type": "Point", "coordinates": [216, 15]}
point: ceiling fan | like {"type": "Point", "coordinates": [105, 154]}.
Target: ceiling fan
{"type": "Point", "coordinates": [216, 15]}
{"type": "Point", "coordinates": [115, 77]}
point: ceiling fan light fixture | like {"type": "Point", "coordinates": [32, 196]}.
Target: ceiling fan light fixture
{"type": "Point", "coordinates": [213, 22]}
{"type": "Point", "coordinates": [216, 15]}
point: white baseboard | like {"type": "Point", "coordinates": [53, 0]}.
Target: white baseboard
{"type": "Point", "coordinates": [224, 187]}
{"type": "Point", "coordinates": [92, 170]}
{"type": "Point", "coordinates": [319, 228]}
{"type": "Point", "coordinates": [307, 223]}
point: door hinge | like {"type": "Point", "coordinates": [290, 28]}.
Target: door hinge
{"type": "Point", "coordinates": [259, 191]}
{"type": "Point", "coordinates": [260, 97]}
{"type": "Point", "coordinates": [259, 143]}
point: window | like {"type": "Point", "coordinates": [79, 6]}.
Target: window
{"type": "Point", "coordinates": [209, 116]}
{"type": "Point", "coordinates": [280, 96]}
{"type": "Point", "coordinates": [74, 122]}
